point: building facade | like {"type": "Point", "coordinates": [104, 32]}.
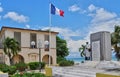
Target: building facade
{"type": "Point", "coordinates": [31, 42]}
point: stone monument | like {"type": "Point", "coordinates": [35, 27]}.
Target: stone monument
{"type": "Point", "coordinates": [101, 46]}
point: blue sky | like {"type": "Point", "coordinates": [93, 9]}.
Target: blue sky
{"type": "Point", "coordinates": [81, 18]}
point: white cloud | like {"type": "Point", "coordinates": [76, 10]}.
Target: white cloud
{"type": "Point", "coordinates": [16, 17]}
{"type": "Point", "coordinates": [103, 15]}
{"type": "Point", "coordinates": [27, 26]}
{"type": "Point", "coordinates": [102, 20]}
{"type": "Point", "coordinates": [74, 8]}
{"type": "Point", "coordinates": [67, 33]}
{"type": "Point", "coordinates": [73, 45]}
{"type": "Point", "coordinates": [92, 8]}
{"type": "Point", "coordinates": [1, 9]}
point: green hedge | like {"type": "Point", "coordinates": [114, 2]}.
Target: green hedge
{"type": "Point", "coordinates": [21, 66]}
{"type": "Point", "coordinates": [42, 65]}
{"type": "Point", "coordinates": [35, 65]}
{"type": "Point", "coordinates": [66, 63]}
{"type": "Point", "coordinates": [59, 59]}
{"type": "Point", "coordinates": [4, 68]}
{"type": "Point", "coordinates": [29, 75]}
{"type": "Point", "coordinates": [8, 69]}
{"type": "Point", "coordinates": [12, 69]}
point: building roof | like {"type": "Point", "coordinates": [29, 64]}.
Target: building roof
{"type": "Point", "coordinates": [5, 27]}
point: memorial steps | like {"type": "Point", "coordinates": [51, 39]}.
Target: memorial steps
{"type": "Point", "coordinates": [72, 72]}
{"type": "Point", "coordinates": [87, 69]}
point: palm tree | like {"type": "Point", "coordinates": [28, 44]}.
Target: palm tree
{"type": "Point", "coordinates": [115, 40]}
{"type": "Point", "coordinates": [81, 50]}
{"type": "Point", "coordinates": [11, 48]}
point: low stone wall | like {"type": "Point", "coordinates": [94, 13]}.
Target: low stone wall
{"type": "Point", "coordinates": [105, 75]}
{"type": "Point", "coordinates": [4, 75]}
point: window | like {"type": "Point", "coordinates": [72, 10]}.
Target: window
{"type": "Point", "coordinates": [17, 36]}
{"type": "Point", "coordinates": [33, 40]}
{"type": "Point", "coordinates": [46, 42]}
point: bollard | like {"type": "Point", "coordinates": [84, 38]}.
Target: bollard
{"type": "Point", "coordinates": [48, 71]}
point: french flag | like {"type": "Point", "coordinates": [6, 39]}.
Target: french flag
{"type": "Point", "coordinates": [56, 11]}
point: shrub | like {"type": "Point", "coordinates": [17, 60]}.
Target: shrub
{"type": "Point", "coordinates": [71, 62]}
{"type": "Point", "coordinates": [35, 65]}
{"type": "Point", "coordinates": [42, 65]}
{"type": "Point", "coordinates": [12, 70]}
{"type": "Point", "coordinates": [4, 68]}
{"type": "Point", "coordinates": [21, 66]}
{"type": "Point", "coordinates": [66, 63]}
{"type": "Point", "coordinates": [29, 75]}
{"type": "Point", "coordinates": [7, 69]}
{"type": "Point", "coordinates": [59, 59]}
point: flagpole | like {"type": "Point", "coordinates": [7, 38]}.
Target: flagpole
{"type": "Point", "coordinates": [50, 33]}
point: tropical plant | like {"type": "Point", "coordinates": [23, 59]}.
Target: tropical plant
{"type": "Point", "coordinates": [81, 50]}
{"type": "Point", "coordinates": [11, 48]}
{"type": "Point", "coordinates": [115, 40]}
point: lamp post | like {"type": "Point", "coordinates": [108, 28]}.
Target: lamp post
{"type": "Point", "coordinates": [47, 46]}
{"type": "Point", "coordinates": [118, 44]}
{"type": "Point", "coordinates": [39, 46]}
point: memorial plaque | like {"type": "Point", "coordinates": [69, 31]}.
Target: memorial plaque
{"type": "Point", "coordinates": [96, 51]}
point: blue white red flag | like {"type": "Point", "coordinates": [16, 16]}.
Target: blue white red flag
{"type": "Point", "coordinates": [56, 11]}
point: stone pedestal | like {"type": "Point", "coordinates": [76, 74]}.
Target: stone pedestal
{"type": "Point", "coordinates": [101, 46]}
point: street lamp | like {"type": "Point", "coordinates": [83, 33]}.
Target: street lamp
{"type": "Point", "coordinates": [47, 46]}
{"type": "Point", "coordinates": [118, 44]}
{"type": "Point", "coordinates": [39, 46]}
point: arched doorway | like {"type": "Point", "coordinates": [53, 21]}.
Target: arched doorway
{"type": "Point", "coordinates": [46, 59]}
{"type": "Point", "coordinates": [17, 59]}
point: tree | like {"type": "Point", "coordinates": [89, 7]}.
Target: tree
{"type": "Point", "coordinates": [81, 50]}
{"type": "Point", "coordinates": [11, 48]}
{"type": "Point", "coordinates": [62, 49]}
{"type": "Point", "coordinates": [115, 40]}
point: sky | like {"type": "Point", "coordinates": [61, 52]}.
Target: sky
{"type": "Point", "coordinates": [81, 17]}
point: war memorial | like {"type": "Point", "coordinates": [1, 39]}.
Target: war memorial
{"type": "Point", "coordinates": [100, 64]}
{"type": "Point", "coordinates": [101, 46]}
